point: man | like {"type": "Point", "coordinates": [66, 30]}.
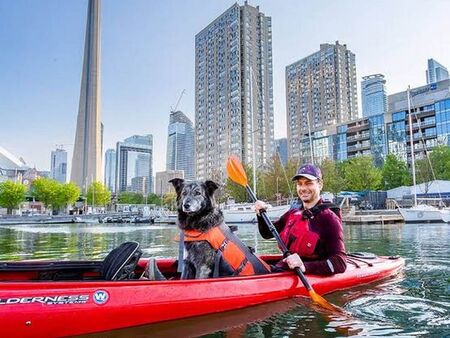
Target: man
{"type": "Point", "coordinates": [312, 231]}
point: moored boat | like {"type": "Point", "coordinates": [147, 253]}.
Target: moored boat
{"type": "Point", "coordinates": [47, 299]}
{"type": "Point", "coordinates": [245, 212]}
{"type": "Point", "coordinates": [422, 213]}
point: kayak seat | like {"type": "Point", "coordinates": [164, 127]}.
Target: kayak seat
{"type": "Point", "coordinates": [121, 262]}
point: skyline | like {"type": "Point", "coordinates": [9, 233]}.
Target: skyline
{"type": "Point", "coordinates": [41, 68]}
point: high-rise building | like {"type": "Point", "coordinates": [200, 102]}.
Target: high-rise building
{"type": "Point", "coordinates": [162, 178]}
{"type": "Point", "coordinates": [58, 165]}
{"type": "Point", "coordinates": [110, 170]}
{"type": "Point", "coordinates": [87, 153]}
{"type": "Point", "coordinates": [233, 91]}
{"type": "Point", "coordinates": [134, 158]}
{"type": "Point", "coordinates": [430, 116]}
{"type": "Point", "coordinates": [320, 93]}
{"type": "Point", "coordinates": [373, 95]}
{"type": "Point", "coordinates": [180, 145]}
{"type": "Point", "coordinates": [281, 150]}
{"type": "Point", "coordinates": [436, 72]}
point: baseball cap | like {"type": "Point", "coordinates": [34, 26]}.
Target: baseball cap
{"type": "Point", "coordinates": [310, 171]}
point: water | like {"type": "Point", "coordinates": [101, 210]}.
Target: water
{"type": "Point", "coordinates": [414, 304]}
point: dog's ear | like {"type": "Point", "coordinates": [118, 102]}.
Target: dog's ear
{"type": "Point", "coordinates": [211, 186]}
{"type": "Point", "coordinates": [178, 184]}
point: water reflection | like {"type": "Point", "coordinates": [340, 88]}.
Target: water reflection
{"type": "Point", "coordinates": [416, 303]}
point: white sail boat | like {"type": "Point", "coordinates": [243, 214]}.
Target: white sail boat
{"type": "Point", "coordinates": [420, 213]}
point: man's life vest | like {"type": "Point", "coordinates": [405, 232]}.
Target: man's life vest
{"type": "Point", "coordinates": [297, 235]}
{"type": "Point", "coordinates": [232, 257]}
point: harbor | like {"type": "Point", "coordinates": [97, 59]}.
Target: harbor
{"type": "Point", "coordinates": [395, 301]}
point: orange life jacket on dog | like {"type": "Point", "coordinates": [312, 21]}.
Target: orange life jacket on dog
{"type": "Point", "coordinates": [238, 256]}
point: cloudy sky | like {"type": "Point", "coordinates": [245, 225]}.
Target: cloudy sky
{"type": "Point", "coordinates": [148, 59]}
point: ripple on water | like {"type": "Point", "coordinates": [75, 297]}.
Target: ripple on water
{"type": "Point", "coordinates": [396, 310]}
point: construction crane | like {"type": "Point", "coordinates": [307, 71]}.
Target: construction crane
{"type": "Point", "coordinates": [178, 102]}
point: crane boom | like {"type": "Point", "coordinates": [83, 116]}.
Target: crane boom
{"type": "Point", "coordinates": [179, 99]}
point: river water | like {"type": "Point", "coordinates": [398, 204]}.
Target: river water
{"type": "Point", "coordinates": [414, 304]}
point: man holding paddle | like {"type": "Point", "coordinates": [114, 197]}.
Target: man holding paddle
{"type": "Point", "coordinates": [312, 231]}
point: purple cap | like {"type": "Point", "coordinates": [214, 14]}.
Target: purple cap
{"type": "Point", "coordinates": [310, 171]}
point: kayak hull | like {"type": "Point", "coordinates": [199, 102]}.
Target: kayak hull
{"type": "Point", "coordinates": [64, 308]}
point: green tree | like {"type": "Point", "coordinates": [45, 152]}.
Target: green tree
{"type": "Point", "coordinates": [128, 197]}
{"type": "Point", "coordinates": [440, 160]}
{"type": "Point", "coordinates": [98, 194]}
{"type": "Point", "coordinates": [424, 173]}
{"type": "Point", "coordinates": [332, 178]}
{"type": "Point", "coordinates": [360, 174]}
{"type": "Point", "coordinates": [153, 199]}
{"type": "Point", "coordinates": [169, 200]}
{"type": "Point", "coordinates": [395, 172]}
{"type": "Point", "coordinates": [275, 181]}
{"type": "Point", "coordinates": [66, 194]}
{"type": "Point", "coordinates": [11, 195]}
{"type": "Point", "coordinates": [45, 190]}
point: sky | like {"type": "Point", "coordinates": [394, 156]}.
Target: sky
{"type": "Point", "coordinates": [148, 58]}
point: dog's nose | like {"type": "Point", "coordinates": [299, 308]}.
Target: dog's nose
{"type": "Point", "coordinates": [186, 206]}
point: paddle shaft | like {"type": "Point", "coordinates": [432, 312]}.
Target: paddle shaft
{"type": "Point", "coordinates": [280, 242]}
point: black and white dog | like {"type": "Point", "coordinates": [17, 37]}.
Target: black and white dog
{"type": "Point", "coordinates": [197, 210]}
{"type": "Point", "coordinates": [211, 249]}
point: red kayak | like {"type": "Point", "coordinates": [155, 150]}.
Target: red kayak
{"type": "Point", "coordinates": [48, 299]}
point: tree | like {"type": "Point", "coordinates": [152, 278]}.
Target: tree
{"type": "Point", "coordinates": [332, 177]}
{"type": "Point", "coordinates": [169, 200]}
{"type": "Point", "coordinates": [274, 181]}
{"type": "Point", "coordinates": [11, 195]}
{"type": "Point", "coordinates": [98, 194]}
{"type": "Point", "coordinates": [45, 190]}
{"type": "Point", "coordinates": [128, 197]}
{"type": "Point", "coordinates": [423, 172]}
{"type": "Point", "coordinates": [66, 194]}
{"type": "Point", "coordinates": [440, 160]}
{"type": "Point", "coordinates": [153, 199]}
{"type": "Point", "coordinates": [360, 174]}
{"type": "Point", "coordinates": [395, 172]}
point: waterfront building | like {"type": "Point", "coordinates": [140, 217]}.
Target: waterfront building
{"type": "Point", "coordinates": [11, 166]}
{"type": "Point", "coordinates": [281, 150]}
{"type": "Point", "coordinates": [162, 178]}
{"type": "Point", "coordinates": [233, 91]}
{"type": "Point", "coordinates": [320, 94]}
{"type": "Point", "coordinates": [373, 95]}
{"type": "Point", "coordinates": [87, 153]}
{"type": "Point", "coordinates": [436, 72]}
{"type": "Point", "coordinates": [110, 170]}
{"type": "Point", "coordinates": [134, 158]}
{"type": "Point", "coordinates": [58, 165]}
{"type": "Point", "coordinates": [180, 145]}
{"type": "Point", "coordinates": [430, 114]}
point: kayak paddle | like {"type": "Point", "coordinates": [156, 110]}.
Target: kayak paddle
{"type": "Point", "coordinates": [237, 174]}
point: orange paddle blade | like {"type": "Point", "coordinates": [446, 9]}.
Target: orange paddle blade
{"type": "Point", "coordinates": [236, 171]}
{"type": "Point", "coordinates": [318, 299]}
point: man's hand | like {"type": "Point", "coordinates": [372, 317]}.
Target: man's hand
{"type": "Point", "coordinates": [294, 261]}
{"type": "Point", "coordinates": [260, 205]}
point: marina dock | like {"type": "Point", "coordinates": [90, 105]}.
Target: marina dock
{"type": "Point", "coordinates": [372, 217]}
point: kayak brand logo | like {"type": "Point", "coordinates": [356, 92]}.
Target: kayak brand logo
{"type": "Point", "coordinates": [101, 297]}
{"type": "Point", "coordinates": [48, 300]}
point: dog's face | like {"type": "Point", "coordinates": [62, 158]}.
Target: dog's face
{"type": "Point", "coordinates": [194, 197]}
